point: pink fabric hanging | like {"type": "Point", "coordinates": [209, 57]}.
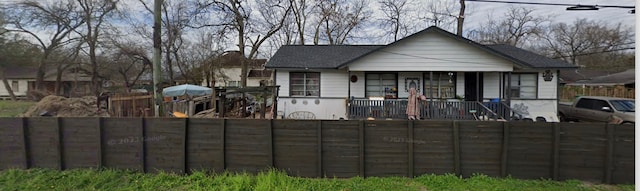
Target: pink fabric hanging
{"type": "Point", "coordinates": [413, 108]}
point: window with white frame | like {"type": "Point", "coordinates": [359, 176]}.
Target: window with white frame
{"type": "Point", "coordinates": [304, 84]}
{"type": "Point", "coordinates": [233, 84]}
{"type": "Point", "coordinates": [15, 86]}
{"type": "Point", "coordinates": [382, 85]}
{"type": "Point", "coordinates": [443, 85]}
{"type": "Point", "coordinates": [524, 86]}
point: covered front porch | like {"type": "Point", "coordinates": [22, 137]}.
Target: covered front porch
{"type": "Point", "coordinates": [452, 95]}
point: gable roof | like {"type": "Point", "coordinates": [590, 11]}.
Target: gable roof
{"type": "Point", "coordinates": [337, 56]}
{"type": "Point", "coordinates": [20, 72]}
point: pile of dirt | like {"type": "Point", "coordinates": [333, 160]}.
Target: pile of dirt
{"type": "Point", "coordinates": [58, 106]}
{"type": "Point", "coordinates": [206, 114]}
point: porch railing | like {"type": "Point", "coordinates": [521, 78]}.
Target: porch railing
{"type": "Point", "coordinates": [452, 110]}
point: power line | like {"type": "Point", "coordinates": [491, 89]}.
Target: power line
{"type": "Point", "coordinates": [554, 4]}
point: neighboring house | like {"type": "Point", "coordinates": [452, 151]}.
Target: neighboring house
{"type": "Point", "coordinates": [626, 78]}
{"type": "Point", "coordinates": [460, 78]}
{"type": "Point", "coordinates": [580, 74]}
{"type": "Point", "coordinates": [22, 80]}
{"type": "Point", "coordinates": [230, 68]}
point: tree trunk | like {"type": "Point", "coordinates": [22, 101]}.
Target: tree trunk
{"type": "Point", "coordinates": [6, 85]}
{"type": "Point", "coordinates": [461, 18]}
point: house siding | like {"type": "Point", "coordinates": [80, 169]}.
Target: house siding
{"type": "Point", "coordinates": [282, 79]}
{"type": "Point", "coordinates": [460, 84]}
{"type": "Point", "coordinates": [537, 108]}
{"type": "Point", "coordinates": [431, 52]}
{"type": "Point", "coordinates": [547, 89]}
{"type": "Point", "coordinates": [358, 87]}
{"type": "Point", "coordinates": [23, 85]}
{"type": "Point", "coordinates": [334, 83]}
{"type": "Point", "coordinates": [491, 87]}
{"type": "Point", "coordinates": [322, 108]}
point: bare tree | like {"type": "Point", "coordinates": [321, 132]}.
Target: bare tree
{"type": "Point", "coordinates": [339, 20]}
{"type": "Point", "coordinates": [396, 17]}
{"type": "Point", "coordinates": [572, 42]}
{"type": "Point", "coordinates": [15, 51]}
{"type": "Point", "coordinates": [95, 13]}
{"type": "Point", "coordinates": [517, 27]}
{"type": "Point", "coordinates": [59, 18]}
{"type": "Point", "coordinates": [438, 13]}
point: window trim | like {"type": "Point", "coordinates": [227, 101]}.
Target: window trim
{"type": "Point", "coordinates": [305, 84]}
{"type": "Point", "coordinates": [366, 93]}
{"type": "Point", "coordinates": [537, 85]}
{"type": "Point", "coordinates": [428, 83]}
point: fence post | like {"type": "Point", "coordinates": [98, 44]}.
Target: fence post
{"type": "Point", "coordinates": [456, 148]}
{"type": "Point", "coordinates": [410, 145]}
{"type": "Point", "coordinates": [100, 142]}
{"type": "Point", "coordinates": [60, 144]}
{"type": "Point", "coordinates": [143, 152]}
{"type": "Point", "coordinates": [361, 146]}
{"type": "Point", "coordinates": [185, 151]}
{"type": "Point", "coordinates": [505, 148]}
{"type": "Point", "coordinates": [270, 133]}
{"type": "Point", "coordinates": [608, 165]}
{"type": "Point", "coordinates": [556, 151]}
{"type": "Point", "coordinates": [320, 168]}
{"type": "Point", "coordinates": [222, 141]}
{"type": "Point", "coordinates": [26, 149]}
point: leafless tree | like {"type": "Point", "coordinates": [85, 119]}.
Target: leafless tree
{"type": "Point", "coordinates": [59, 19]}
{"type": "Point", "coordinates": [517, 27]}
{"type": "Point", "coordinates": [95, 13]}
{"type": "Point", "coordinates": [340, 19]}
{"type": "Point", "coordinates": [438, 13]}
{"type": "Point", "coordinates": [583, 37]}
{"type": "Point", "coordinates": [396, 17]}
{"type": "Point", "coordinates": [15, 51]}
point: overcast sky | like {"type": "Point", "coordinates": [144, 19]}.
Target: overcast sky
{"type": "Point", "coordinates": [481, 10]}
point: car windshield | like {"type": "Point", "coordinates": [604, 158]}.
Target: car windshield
{"type": "Point", "coordinates": [624, 105]}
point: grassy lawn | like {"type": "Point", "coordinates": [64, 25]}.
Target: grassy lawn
{"type": "Point", "coordinates": [14, 108]}
{"type": "Point", "coordinates": [83, 179]}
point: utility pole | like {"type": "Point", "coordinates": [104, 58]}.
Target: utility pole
{"type": "Point", "coordinates": [157, 77]}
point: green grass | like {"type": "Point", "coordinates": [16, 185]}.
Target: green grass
{"type": "Point", "coordinates": [14, 108]}
{"type": "Point", "coordinates": [85, 179]}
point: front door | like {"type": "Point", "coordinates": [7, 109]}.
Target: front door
{"type": "Point", "coordinates": [473, 84]}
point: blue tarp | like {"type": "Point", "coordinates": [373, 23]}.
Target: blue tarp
{"type": "Point", "coordinates": [186, 89]}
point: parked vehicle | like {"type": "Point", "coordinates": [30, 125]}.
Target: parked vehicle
{"type": "Point", "coordinates": [599, 109]}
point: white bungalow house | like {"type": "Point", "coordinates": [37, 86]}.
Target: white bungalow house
{"type": "Point", "coordinates": [460, 78]}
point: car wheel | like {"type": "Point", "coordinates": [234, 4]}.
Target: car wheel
{"type": "Point", "coordinates": [562, 118]}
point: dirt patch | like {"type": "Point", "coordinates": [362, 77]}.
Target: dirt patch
{"type": "Point", "coordinates": [58, 106]}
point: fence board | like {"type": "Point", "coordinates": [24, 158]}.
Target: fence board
{"type": "Point", "coordinates": [122, 143]}
{"type": "Point", "coordinates": [12, 144]}
{"type": "Point", "coordinates": [247, 145]}
{"type": "Point", "coordinates": [480, 147]}
{"type": "Point", "coordinates": [205, 144]}
{"type": "Point", "coordinates": [295, 147]}
{"type": "Point", "coordinates": [44, 142]}
{"type": "Point", "coordinates": [623, 155]}
{"type": "Point", "coordinates": [164, 144]}
{"type": "Point", "coordinates": [80, 142]}
{"type": "Point", "coordinates": [433, 147]}
{"type": "Point", "coordinates": [386, 148]}
{"type": "Point", "coordinates": [530, 150]}
{"type": "Point", "coordinates": [340, 146]}
{"type": "Point", "coordinates": [582, 151]}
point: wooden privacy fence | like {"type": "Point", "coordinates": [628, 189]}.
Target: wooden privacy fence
{"type": "Point", "coordinates": [320, 148]}
{"type": "Point", "coordinates": [571, 92]}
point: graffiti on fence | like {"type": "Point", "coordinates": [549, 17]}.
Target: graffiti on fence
{"type": "Point", "coordinates": [403, 140]}
{"type": "Point", "coordinates": [132, 140]}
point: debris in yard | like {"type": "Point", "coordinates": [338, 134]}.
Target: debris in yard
{"type": "Point", "coordinates": [206, 114]}
{"type": "Point", "coordinates": [57, 106]}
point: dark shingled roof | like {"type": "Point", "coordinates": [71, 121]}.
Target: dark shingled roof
{"type": "Point", "coordinates": [318, 56]}
{"type": "Point", "coordinates": [621, 78]}
{"type": "Point", "coordinates": [336, 56]}
{"type": "Point", "coordinates": [528, 58]}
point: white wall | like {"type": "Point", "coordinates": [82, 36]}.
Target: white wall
{"type": "Point", "coordinates": [460, 84]}
{"type": "Point", "coordinates": [431, 51]}
{"type": "Point", "coordinates": [491, 87]}
{"type": "Point", "coordinates": [324, 108]}
{"type": "Point", "coordinates": [334, 83]}
{"type": "Point", "coordinates": [548, 89]}
{"type": "Point", "coordinates": [543, 108]}
{"type": "Point", "coordinates": [23, 85]}
{"type": "Point", "coordinates": [282, 80]}
{"type": "Point", "coordinates": [357, 88]}
{"type": "Point", "coordinates": [403, 92]}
